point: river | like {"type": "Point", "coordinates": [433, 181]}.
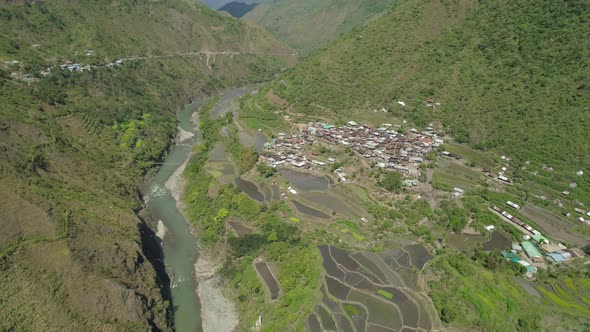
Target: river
{"type": "Point", "coordinates": [193, 276]}
{"type": "Point", "coordinates": [178, 242]}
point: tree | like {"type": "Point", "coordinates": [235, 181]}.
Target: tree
{"type": "Point", "coordinates": [265, 170]}
{"type": "Point", "coordinates": [392, 182]}
{"type": "Point", "coordinates": [272, 237]}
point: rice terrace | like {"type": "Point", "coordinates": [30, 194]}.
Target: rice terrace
{"type": "Point", "coordinates": [367, 291]}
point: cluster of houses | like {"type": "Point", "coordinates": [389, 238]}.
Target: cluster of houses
{"type": "Point", "coordinates": [68, 65]}
{"type": "Point", "coordinates": [288, 150]}
{"type": "Point", "coordinates": [534, 242]}
{"type": "Point", "coordinates": [385, 146]}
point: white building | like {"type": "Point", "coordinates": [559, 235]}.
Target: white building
{"type": "Point", "coordinates": [297, 163]}
{"type": "Point", "coordinates": [512, 204]}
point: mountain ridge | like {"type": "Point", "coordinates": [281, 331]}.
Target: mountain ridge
{"type": "Point", "coordinates": [307, 25]}
{"type": "Point", "coordinates": [379, 64]}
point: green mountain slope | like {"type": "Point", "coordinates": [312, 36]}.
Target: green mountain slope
{"type": "Point", "coordinates": [75, 250]}
{"type": "Point", "coordinates": [510, 76]}
{"type": "Point", "coordinates": [307, 25]}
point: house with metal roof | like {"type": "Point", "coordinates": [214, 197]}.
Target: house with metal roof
{"type": "Point", "coordinates": [532, 251]}
{"type": "Point", "coordinates": [511, 256]}
{"type": "Point", "coordinates": [555, 257]}
{"type": "Point", "coordinates": [539, 238]}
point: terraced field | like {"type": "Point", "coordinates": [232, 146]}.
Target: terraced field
{"type": "Point", "coordinates": [373, 292]}
{"type": "Point", "coordinates": [568, 294]}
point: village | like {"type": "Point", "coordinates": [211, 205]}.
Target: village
{"type": "Point", "coordinates": [534, 250]}
{"type": "Point", "coordinates": [384, 147]}
{"type": "Point", "coordinates": [533, 243]}
{"type": "Point", "coordinates": [393, 149]}
{"type": "Point", "coordinates": [66, 65]}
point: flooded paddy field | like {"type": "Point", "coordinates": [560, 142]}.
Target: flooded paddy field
{"type": "Point", "coordinates": [376, 291]}
{"type": "Point", "coordinates": [317, 192]}
{"type": "Point", "coordinates": [249, 138]}
{"type": "Point", "coordinates": [309, 210]}
{"type": "Point", "coordinates": [331, 201]}
{"type": "Point", "coordinates": [259, 141]}
{"type": "Point", "coordinates": [326, 319]}
{"type": "Point", "coordinates": [269, 280]}
{"type": "Point", "coordinates": [313, 324]}
{"type": "Point", "coordinates": [249, 188]}
{"type": "Point", "coordinates": [305, 181]}
{"type": "Point", "coordinates": [465, 242]}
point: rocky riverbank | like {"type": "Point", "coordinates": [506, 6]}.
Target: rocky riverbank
{"type": "Point", "coordinates": [217, 312]}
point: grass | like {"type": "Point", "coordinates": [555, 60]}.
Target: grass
{"type": "Point", "coordinates": [84, 142]}
{"type": "Point", "coordinates": [351, 228]}
{"type": "Point", "coordinates": [448, 179]}
{"type": "Point", "coordinates": [462, 54]}
{"type": "Point", "coordinates": [267, 118]}
{"type": "Point", "coordinates": [466, 294]}
{"type": "Point", "coordinates": [562, 303]}
{"type": "Point", "coordinates": [477, 157]}
{"type": "Point", "coordinates": [351, 310]}
{"type": "Point", "coordinates": [385, 294]}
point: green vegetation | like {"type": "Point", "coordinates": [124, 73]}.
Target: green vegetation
{"type": "Point", "coordinates": [76, 147]}
{"type": "Point", "coordinates": [391, 182]}
{"type": "Point", "coordinates": [266, 171]}
{"type": "Point", "coordinates": [481, 292]}
{"type": "Point", "coordinates": [281, 243]}
{"type": "Point", "coordinates": [453, 216]}
{"type": "Point", "coordinates": [245, 158]}
{"type": "Point", "coordinates": [466, 294]}
{"type": "Point", "coordinates": [351, 310]}
{"type": "Point", "coordinates": [261, 114]}
{"type": "Point", "coordinates": [309, 25]}
{"type": "Point", "coordinates": [385, 294]}
{"type": "Point", "coordinates": [462, 53]}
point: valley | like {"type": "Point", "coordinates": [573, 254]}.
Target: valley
{"type": "Point", "coordinates": [317, 184]}
{"type": "Point", "coordinates": [78, 248]}
{"type": "Point", "coordinates": [346, 166]}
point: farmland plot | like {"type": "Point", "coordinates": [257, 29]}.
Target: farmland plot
{"type": "Point", "coordinates": [365, 291]}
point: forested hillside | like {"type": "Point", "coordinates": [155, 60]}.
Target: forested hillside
{"type": "Point", "coordinates": [308, 25]}
{"type": "Point", "coordinates": [76, 252]}
{"type": "Point", "coordinates": [510, 76]}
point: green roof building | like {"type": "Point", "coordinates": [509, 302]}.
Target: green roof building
{"type": "Point", "coordinates": [531, 250]}
{"type": "Point", "coordinates": [510, 256]}
{"type": "Point", "coordinates": [539, 238]}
